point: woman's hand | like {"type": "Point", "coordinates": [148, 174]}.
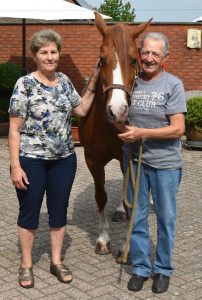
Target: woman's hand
{"type": "Point", "coordinates": [19, 178]}
{"type": "Point", "coordinates": [96, 71]}
{"type": "Point", "coordinates": [87, 99]}
{"type": "Point", "coordinates": [94, 76]}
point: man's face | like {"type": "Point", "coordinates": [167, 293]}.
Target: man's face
{"type": "Point", "coordinates": [152, 58]}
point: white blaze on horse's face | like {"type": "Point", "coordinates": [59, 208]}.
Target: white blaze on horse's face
{"type": "Point", "coordinates": [117, 106]}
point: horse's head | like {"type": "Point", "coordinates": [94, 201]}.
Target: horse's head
{"type": "Point", "coordinates": [118, 65]}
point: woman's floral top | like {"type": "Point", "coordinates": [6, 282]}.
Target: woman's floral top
{"type": "Point", "coordinates": [46, 133]}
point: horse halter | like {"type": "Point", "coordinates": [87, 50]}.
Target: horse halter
{"type": "Point", "coordinates": [117, 87]}
{"type": "Point", "coordinates": [121, 86]}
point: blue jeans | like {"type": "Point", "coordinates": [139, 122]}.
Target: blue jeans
{"type": "Point", "coordinates": [163, 185]}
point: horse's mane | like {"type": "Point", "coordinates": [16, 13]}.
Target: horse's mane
{"type": "Point", "coordinates": [119, 36]}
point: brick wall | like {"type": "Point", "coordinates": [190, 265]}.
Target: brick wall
{"type": "Point", "coordinates": [80, 50]}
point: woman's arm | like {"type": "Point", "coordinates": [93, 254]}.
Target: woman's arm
{"type": "Point", "coordinates": [18, 176]}
{"type": "Point", "coordinates": [87, 99]}
{"type": "Point", "coordinates": [174, 130]}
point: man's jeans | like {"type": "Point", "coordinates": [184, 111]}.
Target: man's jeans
{"type": "Point", "coordinates": [163, 184]}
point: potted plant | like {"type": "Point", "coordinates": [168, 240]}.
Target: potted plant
{"type": "Point", "coordinates": [193, 121]}
{"type": "Point", "coordinates": [75, 130]}
{"type": "Point", "coordinates": [9, 73]}
{"type": "Point", "coordinates": [4, 116]}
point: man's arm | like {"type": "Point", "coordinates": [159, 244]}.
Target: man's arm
{"type": "Point", "coordinates": [174, 130]}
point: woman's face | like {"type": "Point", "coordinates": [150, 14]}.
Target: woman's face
{"type": "Point", "coordinates": [47, 58]}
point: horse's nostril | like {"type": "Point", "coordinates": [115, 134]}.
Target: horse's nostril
{"type": "Point", "coordinates": [125, 110]}
{"type": "Point", "coordinates": [111, 114]}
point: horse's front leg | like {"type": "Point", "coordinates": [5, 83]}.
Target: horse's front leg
{"type": "Point", "coordinates": [120, 214]}
{"type": "Point", "coordinates": [98, 173]}
{"type": "Point", "coordinates": [103, 241]}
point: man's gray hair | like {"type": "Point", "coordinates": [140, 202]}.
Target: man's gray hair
{"type": "Point", "coordinates": [42, 37]}
{"type": "Point", "coordinates": [156, 36]}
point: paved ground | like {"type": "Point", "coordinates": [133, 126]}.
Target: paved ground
{"type": "Point", "coordinates": [99, 277]}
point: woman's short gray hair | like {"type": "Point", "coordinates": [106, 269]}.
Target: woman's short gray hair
{"type": "Point", "coordinates": [42, 37]}
{"type": "Point", "coordinates": [156, 36]}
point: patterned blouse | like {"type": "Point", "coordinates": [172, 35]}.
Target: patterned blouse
{"type": "Point", "coordinates": [46, 133]}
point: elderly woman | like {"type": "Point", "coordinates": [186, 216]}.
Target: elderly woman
{"type": "Point", "coordinates": [42, 151]}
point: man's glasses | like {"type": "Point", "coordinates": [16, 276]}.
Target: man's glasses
{"type": "Point", "coordinates": [153, 53]}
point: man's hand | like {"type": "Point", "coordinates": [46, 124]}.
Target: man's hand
{"type": "Point", "coordinates": [131, 134]}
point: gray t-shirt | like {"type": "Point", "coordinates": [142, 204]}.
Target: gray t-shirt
{"type": "Point", "coordinates": [152, 103]}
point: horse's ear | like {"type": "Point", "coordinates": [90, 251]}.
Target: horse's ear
{"type": "Point", "coordinates": [100, 23]}
{"type": "Point", "coordinates": [140, 28]}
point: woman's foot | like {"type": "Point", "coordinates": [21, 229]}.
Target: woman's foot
{"type": "Point", "coordinates": [26, 277]}
{"type": "Point", "coordinates": [62, 272]}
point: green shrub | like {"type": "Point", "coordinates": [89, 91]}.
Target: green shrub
{"type": "Point", "coordinates": [4, 105]}
{"type": "Point", "coordinates": [9, 74]}
{"type": "Point", "coordinates": [4, 116]}
{"type": "Point", "coordinates": [194, 112]}
{"type": "Point", "coordinates": [74, 121]}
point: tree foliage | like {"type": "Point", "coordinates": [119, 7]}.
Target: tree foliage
{"type": "Point", "coordinates": [118, 11]}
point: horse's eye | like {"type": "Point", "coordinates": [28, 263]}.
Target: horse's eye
{"type": "Point", "coordinates": [102, 61]}
{"type": "Point", "coordinates": [134, 61]}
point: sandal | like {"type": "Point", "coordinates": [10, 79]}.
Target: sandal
{"type": "Point", "coordinates": [26, 274]}
{"type": "Point", "coordinates": [60, 271]}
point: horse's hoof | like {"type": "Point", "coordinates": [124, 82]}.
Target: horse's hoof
{"type": "Point", "coordinates": [119, 216]}
{"type": "Point", "coordinates": [102, 249]}
{"type": "Point", "coordinates": [119, 258]}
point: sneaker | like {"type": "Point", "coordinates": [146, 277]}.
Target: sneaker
{"type": "Point", "coordinates": [136, 283]}
{"type": "Point", "coordinates": [160, 284]}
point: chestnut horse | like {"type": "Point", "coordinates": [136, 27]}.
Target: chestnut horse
{"type": "Point", "coordinates": [98, 135]}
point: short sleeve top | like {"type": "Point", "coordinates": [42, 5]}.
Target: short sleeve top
{"type": "Point", "coordinates": [151, 105]}
{"type": "Point", "coordinates": [46, 132]}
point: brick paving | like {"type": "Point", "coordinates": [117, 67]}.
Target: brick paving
{"type": "Point", "coordinates": [95, 276]}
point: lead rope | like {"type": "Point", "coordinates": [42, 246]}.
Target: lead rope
{"type": "Point", "coordinates": [135, 182]}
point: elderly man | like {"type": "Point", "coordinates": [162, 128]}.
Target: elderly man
{"type": "Point", "coordinates": [157, 118]}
